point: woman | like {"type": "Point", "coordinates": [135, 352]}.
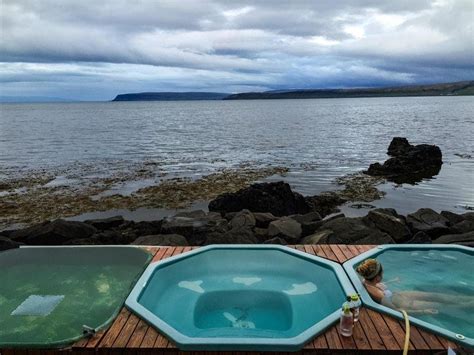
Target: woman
{"type": "Point", "coordinates": [410, 301]}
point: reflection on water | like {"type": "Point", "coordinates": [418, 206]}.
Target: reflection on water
{"type": "Point", "coordinates": [318, 140]}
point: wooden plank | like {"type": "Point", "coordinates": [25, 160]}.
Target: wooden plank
{"type": "Point", "coordinates": [338, 253]}
{"type": "Point", "coordinates": [415, 337]}
{"type": "Point", "coordinates": [95, 340]}
{"type": "Point", "coordinates": [383, 330]}
{"type": "Point", "coordinates": [431, 340]}
{"type": "Point", "coordinates": [353, 250]}
{"type": "Point", "coordinates": [149, 339]}
{"type": "Point", "coordinates": [300, 247]}
{"type": "Point", "coordinates": [178, 251]}
{"type": "Point", "coordinates": [151, 249]}
{"type": "Point", "coordinates": [308, 249]}
{"type": "Point", "coordinates": [446, 342]}
{"type": "Point", "coordinates": [169, 252]}
{"type": "Point", "coordinates": [112, 333]}
{"type": "Point", "coordinates": [397, 331]}
{"type": "Point", "coordinates": [332, 338]}
{"type": "Point", "coordinates": [138, 335]}
{"type": "Point", "coordinates": [347, 342]}
{"type": "Point", "coordinates": [126, 332]}
{"type": "Point", "coordinates": [346, 251]}
{"type": "Point", "coordinates": [80, 343]}
{"type": "Point", "coordinates": [329, 253]}
{"type": "Point", "coordinates": [170, 345]}
{"type": "Point", "coordinates": [159, 254]}
{"type": "Point", "coordinates": [319, 251]}
{"type": "Point", "coordinates": [373, 337]}
{"type": "Point", "coordinates": [320, 342]}
{"type": "Point", "coordinates": [360, 337]}
{"type": "Point", "coordinates": [161, 341]}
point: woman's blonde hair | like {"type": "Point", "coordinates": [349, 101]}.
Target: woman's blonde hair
{"type": "Point", "coordinates": [369, 269]}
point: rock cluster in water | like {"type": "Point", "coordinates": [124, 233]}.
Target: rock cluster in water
{"type": "Point", "coordinates": [296, 220]}
{"type": "Point", "coordinates": [408, 163]}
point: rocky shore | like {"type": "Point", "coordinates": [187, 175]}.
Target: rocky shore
{"type": "Point", "coordinates": [268, 213]}
{"type": "Point", "coordinates": [271, 213]}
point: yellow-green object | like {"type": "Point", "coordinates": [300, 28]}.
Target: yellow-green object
{"type": "Point", "coordinates": [354, 297]}
{"type": "Point", "coordinates": [49, 296]}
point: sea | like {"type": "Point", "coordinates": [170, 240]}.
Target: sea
{"type": "Point", "coordinates": [319, 140]}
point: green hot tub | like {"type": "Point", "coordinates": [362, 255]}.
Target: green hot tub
{"type": "Point", "coordinates": [50, 295]}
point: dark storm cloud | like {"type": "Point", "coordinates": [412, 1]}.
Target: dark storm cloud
{"type": "Point", "coordinates": [61, 46]}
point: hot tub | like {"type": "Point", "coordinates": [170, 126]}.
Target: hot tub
{"type": "Point", "coordinates": [241, 297]}
{"type": "Point", "coordinates": [50, 295]}
{"type": "Point", "coordinates": [446, 270]}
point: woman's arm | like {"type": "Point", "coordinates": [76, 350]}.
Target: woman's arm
{"type": "Point", "coordinates": [374, 292]}
{"type": "Point", "coordinates": [395, 279]}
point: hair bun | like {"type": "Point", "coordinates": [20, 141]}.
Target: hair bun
{"type": "Point", "coordinates": [368, 268]}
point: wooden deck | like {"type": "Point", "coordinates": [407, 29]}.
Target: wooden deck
{"type": "Point", "coordinates": [375, 333]}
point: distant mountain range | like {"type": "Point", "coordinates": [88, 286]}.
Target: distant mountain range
{"type": "Point", "coordinates": [445, 89]}
{"type": "Point", "coordinates": [170, 96]}
{"type": "Point", "coordinates": [458, 88]}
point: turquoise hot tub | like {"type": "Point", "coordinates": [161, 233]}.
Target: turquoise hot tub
{"type": "Point", "coordinates": [443, 272]}
{"type": "Point", "coordinates": [241, 297]}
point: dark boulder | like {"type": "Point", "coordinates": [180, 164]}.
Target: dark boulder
{"type": "Point", "coordinates": [6, 243]}
{"type": "Point", "coordinates": [409, 163]}
{"type": "Point", "coordinates": [452, 217]}
{"type": "Point", "coordinates": [262, 219]}
{"type": "Point", "coordinates": [261, 234]}
{"type": "Point", "coordinates": [243, 218]}
{"type": "Point", "coordinates": [57, 232]}
{"type": "Point", "coordinates": [428, 221]}
{"type": "Point", "coordinates": [325, 203]}
{"type": "Point", "coordinates": [316, 238]}
{"type": "Point", "coordinates": [309, 222]}
{"type": "Point", "coordinates": [276, 240]}
{"type": "Point", "coordinates": [143, 228]}
{"type": "Point", "coordinates": [387, 220]}
{"type": "Point", "coordinates": [464, 226]}
{"type": "Point", "coordinates": [463, 239]}
{"type": "Point", "coordinates": [107, 237]}
{"type": "Point", "coordinates": [306, 218]}
{"type": "Point", "coordinates": [195, 230]}
{"type": "Point", "coordinates": [275, 197]}
{"type": "Point", "coordinates": [419, 238]}
{"type": "Point", "coordinates": [398, 146]}
{"type": "Point", "coordinates": [310, 228]}
{"type": "Point", "coordinates": [286, 228]}
{"type": "Point", "coordinates": [241, 235]}
{"type": "Point", "coordinates": [469, 216]}
{"type": "Point", "coordinates": [106, 223]}
{"type": "Point", "coordinates": [162, 240]}
{"type": "Point", "coordinates": [352, 231]}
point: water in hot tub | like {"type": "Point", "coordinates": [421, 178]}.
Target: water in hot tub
{"type": "Point", "coordinates": [437, 272]}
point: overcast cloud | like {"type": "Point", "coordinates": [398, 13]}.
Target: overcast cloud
{"type": "Point", "coordinates": [93, 50]}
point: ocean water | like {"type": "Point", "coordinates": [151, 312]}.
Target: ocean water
{"type": "Point", "coordinates": [318, 140]}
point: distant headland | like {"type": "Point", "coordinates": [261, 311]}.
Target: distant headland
{"type": "Point", "coordinates": [444, 89]}
{"type": "Point", "coordinates": [170, 96]}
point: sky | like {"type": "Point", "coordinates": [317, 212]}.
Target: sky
{"type": "Point", "coordinates": [96, 49]}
